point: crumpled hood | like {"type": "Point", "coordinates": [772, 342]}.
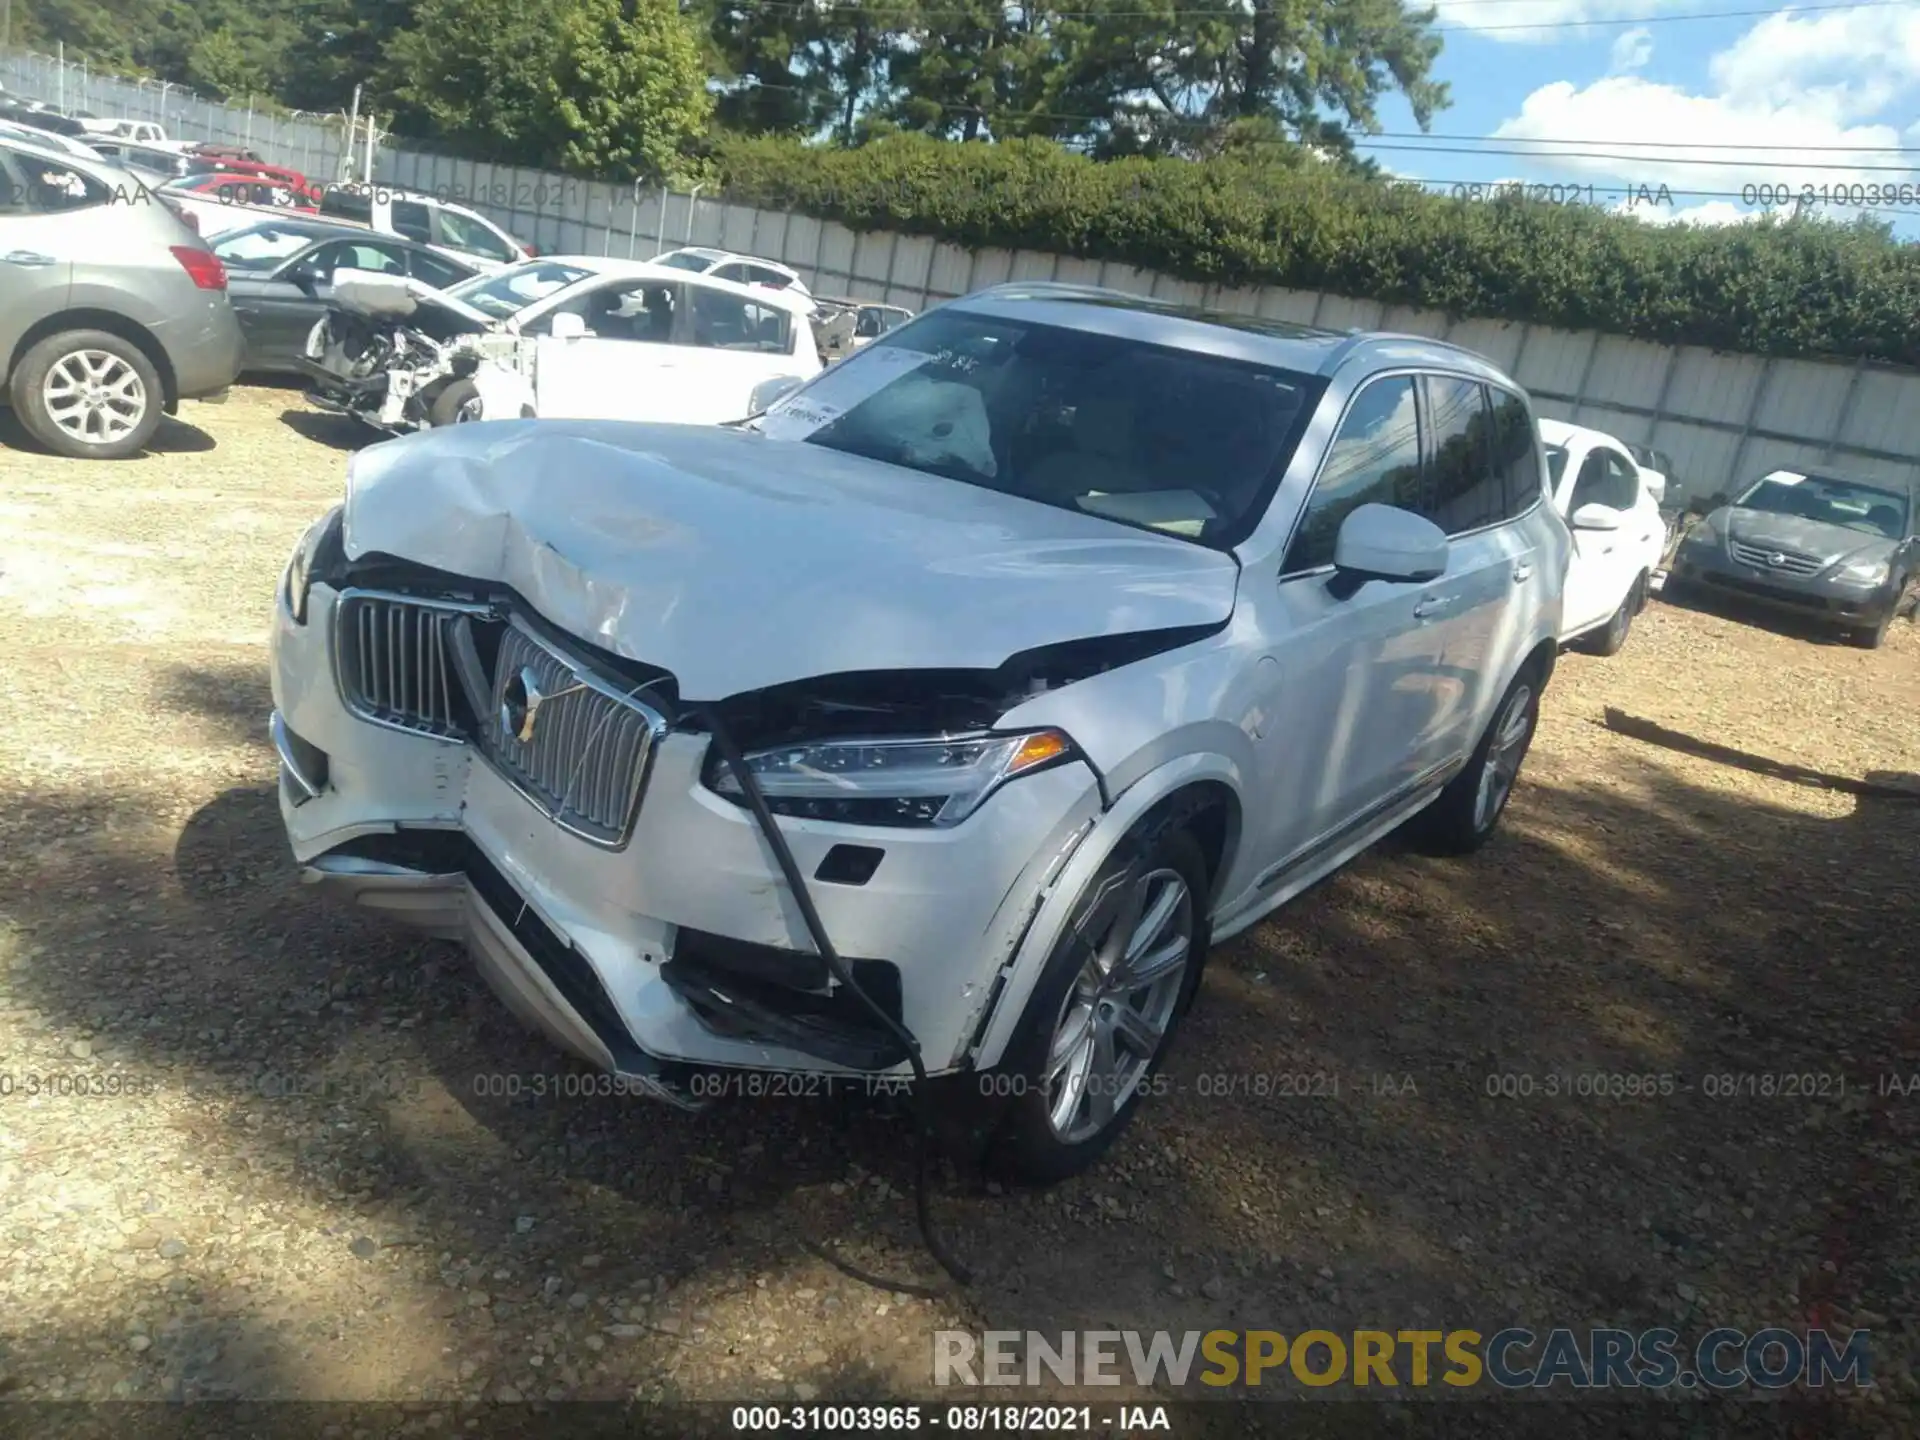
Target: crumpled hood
{"type": "Point", "coordinates": [395, 297]}
{"type": "Point", "coordinates": [737, 562]}
{"type": "Point", "coordinates": [1831, 543]}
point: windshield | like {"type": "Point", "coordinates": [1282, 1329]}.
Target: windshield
{"type": "Point", "coordinates": [503, 294]}
{"type": "Point", "coordinates": [1150, 436]}
{"type": "Point", "coordinates": [1847, 503]}
{"type": "Point", "coordinates": [681, 260]}
{"type": "Point", "coordinates": [261, 248]}
{"type": "Point", "coordinates": [1556, 463]}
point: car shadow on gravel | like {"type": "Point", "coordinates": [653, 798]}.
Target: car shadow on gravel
{"type": "Point", "coordinates": [174, 437]}
{"type": "Point", "coordinates": [1404, 1103]}
{"type": "Point", "coordinates": [336, 432]}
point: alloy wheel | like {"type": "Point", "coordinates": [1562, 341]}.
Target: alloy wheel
{"type": "Point", "coordinates": [1116, 1014]}
{"type": "Point", "coordinates": [1501, 768]}
{"type": "Point", "coordinates": [94, 396]}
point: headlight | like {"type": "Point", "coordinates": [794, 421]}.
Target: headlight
{"type": "Point", "coordinates": [923, 781]}
{"type": "Point", "coordinates": [1866, 572]}
{"type": "Point", "coordinates": [299, 581]}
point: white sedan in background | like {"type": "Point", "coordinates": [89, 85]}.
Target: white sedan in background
{"type": "Point", "coordinates": [1618, 535]}
{"type": "Point", "coordinates": [571, 337]}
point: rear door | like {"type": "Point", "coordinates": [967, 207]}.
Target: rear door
{"type": "Point", "coordinates": [280, 312]}
{"type": "Point", "coordinates": [36, 262]}
{"type": "Point", "coordinates": [1467, 607]}
{"type": "Point", "coordinates": [736, 344]}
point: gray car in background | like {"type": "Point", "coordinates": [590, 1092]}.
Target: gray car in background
{"type": "Point", "coordinates": [112, 310]}
{"type": "Point", "coordinates": [1839, 550]}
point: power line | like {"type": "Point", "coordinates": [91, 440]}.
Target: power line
{"type": "Point", "coordinates": [1823, 147]}
{"type": "Point", "coordinates": [807, 7]}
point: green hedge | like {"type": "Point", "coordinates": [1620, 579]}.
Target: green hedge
{"type": "Point", "coordinates": [1800, 290]}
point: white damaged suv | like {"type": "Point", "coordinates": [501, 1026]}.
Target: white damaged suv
{"type": "Point", "coordinates": [935, 721]}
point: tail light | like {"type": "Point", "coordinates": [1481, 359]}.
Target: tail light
{"type": "Point", "coordinates": [202, 265]}
{"type": "Point", "coordinates": [533, 251]}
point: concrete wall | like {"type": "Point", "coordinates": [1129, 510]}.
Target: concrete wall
{"type": "Point", "coordinates": [1725, 418]}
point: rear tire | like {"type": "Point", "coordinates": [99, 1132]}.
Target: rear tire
{"type": "Point", "coordinates": [1469, 808]}
{"type": "Point", "coordinates": [88, 395]}
{"type": "Point", "coordinates": [455, 405]}
{"type": "Point", "coordinates": [1089, 1045]}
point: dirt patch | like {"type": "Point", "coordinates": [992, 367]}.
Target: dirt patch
{"type": "Point", "coordinates": [264, 1159]}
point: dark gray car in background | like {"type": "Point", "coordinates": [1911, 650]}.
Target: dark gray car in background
{"type": "Point", "coordinates": [112, 310]}
{"type": "Point", "coordinates": [1839, 550]}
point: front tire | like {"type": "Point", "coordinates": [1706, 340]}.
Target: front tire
{"type": "Point", "coordinates": [1610, 638]}
{"type": "Point", "coordinates": [1102, 1017]}
{"type": "Point", "coordinates": [457, 404]}
{"type": "Point", "coordinates": [88, 395]}
{"type": "Point", "coordinates": [1468, 810]}
{"type": "Point", "coordinates": [1872, 637]}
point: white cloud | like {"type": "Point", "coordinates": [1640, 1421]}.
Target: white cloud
{"type": "Point", "coordinates": [1708, 212]}
{"type": "Point", "coordinates": [1631, 131]}
{"type": "Point", "coordinates": [1849, 64]}
{"type": "Point", "coordinates": [1632, 49]}
{"type": "Point", "coordinates": [1544, 22]}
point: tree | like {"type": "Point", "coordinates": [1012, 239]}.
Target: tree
{"type": "Point", "coordinates": [220, 66]}
{"type": "Point", "coordinates": [477, 73]}
{"type": "Point", "coordinates": [628, 91]}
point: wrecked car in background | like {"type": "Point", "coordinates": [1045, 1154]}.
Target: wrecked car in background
{"type": "Point", "coordinates": [933, 722]}
{"type": "Point", "coordinates": [844, 325]}
{"type": "Point", "coordinates": [563, 337]}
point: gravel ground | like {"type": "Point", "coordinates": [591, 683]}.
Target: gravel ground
{"type": "Point", "coordinates": [1690, 882]}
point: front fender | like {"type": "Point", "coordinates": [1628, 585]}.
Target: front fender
{"type": "Point", "coordinates": [504, 393]}
{"type": "Point", "coordinates": [1022, 970]}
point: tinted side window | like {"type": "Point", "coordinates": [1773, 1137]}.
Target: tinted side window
{"type": "Point", "coordinates": [47, 187]}
{"type": "Point", "coordinates": [1516, 451]}
{"type": "Point", "coordinates": [357, 255]}
{"type": "Point", "coordinates": [436, 270]}
{"type": "Point", "coordinates": [1374, 459]}
{"type": "Point", "coordinates": [347, 205]}
{"type": "Point", "coordinates": [1607, 478]}
{"type": "Point", "coordinates": [461, 232]}
{"type": "Point", "coordinates": [1465, 491]}
{"type": "Point", "coordinates": [728, 322]}
{"type": "Point", "coordinates": [410, 219]}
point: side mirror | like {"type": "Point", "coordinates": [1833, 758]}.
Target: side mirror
{"type": "Point", "coordinates": [1595, 517]}
{"type": "Point", "coordinates": [568, 326]}
{"type": "Point", "coordinates": [1381, 542]}
{"type": "Point", "coordinates": [306, 275]}
{"type": "Point", "coordinates": [769, 393]}
{"type": "Point", "coordinates": [1706, 504]}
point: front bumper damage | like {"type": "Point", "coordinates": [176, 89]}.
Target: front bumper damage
{"type": "Point", "coordinates": [1823, 596]}
{"type": "Point", "coordinates": [678, 949]}
{"type": "Point", "coordinates": [387, 374]}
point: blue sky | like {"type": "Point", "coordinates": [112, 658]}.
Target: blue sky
{"type": "Point", "coordinates": [1799, 97]}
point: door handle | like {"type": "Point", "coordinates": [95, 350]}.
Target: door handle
{"type": "Point", "coordinates": [1522, 572]}
{"type": "Point", "coordinates": [27, 257]}
{"type": "Point", "coordinates": [1431, 605]}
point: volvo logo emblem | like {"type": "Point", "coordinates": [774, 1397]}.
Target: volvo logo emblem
{"type": "Point", "coordinates": [520, 705]}
{"type": "Point", "coordinates": [1776, 559]}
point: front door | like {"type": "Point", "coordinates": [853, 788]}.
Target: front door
{"type": "Point", "coordinates": [1597, 578]}
{"type": "Point", "coordinates": [626, 366]}
{"type": "Point", "coordinates": [1355, 691]}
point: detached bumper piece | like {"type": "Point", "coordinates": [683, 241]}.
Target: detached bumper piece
{"type": "Point", "coordinates": [781, 997]}
{"type": "Point", "coordinates": [303, 765]}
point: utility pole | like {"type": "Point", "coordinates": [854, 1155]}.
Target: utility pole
{"type": "Point", "coordinates": [62, 82]}
{"type": "Point", "coordinates": [353, 133]}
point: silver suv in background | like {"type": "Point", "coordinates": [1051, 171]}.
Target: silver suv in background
{"type": "Point", "coordinates": [112, 310]}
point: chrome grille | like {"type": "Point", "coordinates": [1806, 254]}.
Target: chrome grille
{"type": "Point", "coordinates": [584, 759]}
{"type": "Point", "coordinates": [393, 657]}
{"type": "Point", "coordinates": [588, 742]}
{"type": "Point", "coordinates": [1791, 562]}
